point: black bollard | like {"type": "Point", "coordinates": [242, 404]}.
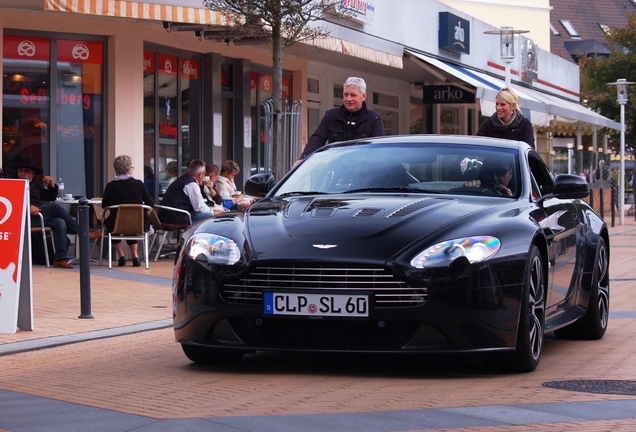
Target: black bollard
{"type": "Point", "coordinates": [602, 204]}
{"type": "Point", "coordinates": [84, 259]}
{"type": "Point", "coordinates": [613, 205]}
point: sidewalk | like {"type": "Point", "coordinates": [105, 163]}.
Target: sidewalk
{"type": "Point", "coordinates": [131, 299]}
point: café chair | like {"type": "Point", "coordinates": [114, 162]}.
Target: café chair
{"type": "Point", "coordinates": [164, 228]}
{"type": "Point", "coordinates": [129, 225]}
{"type": "Point", "coordinates": [46, 232]}
{"type": "Point", "coordinates": [98, 210]}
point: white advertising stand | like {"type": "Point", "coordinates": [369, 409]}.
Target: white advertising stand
{"type": "Point", "coordinates": [16, 293]}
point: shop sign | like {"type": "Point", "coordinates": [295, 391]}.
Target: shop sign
{"type": "Point", "coordinates": [26, 48]}
{"type": "Point", "coordinates": [529, 60]}
{"type": "Point", "coordinates": [149, 61]}
{"type": "Point", "coordinates": [14, 203]}
{"type": "Point", "coordinates": [168, 65]}
{"type": "Point", "coordinates": [358, 10]}
{"type": "Point", "coordinates": [267, 83]}
{"type": "Point", "coordinates": [447, 94]}
{"type": "Point", "coordinates": [454, 33]}
{"type": "Point", "coordinates": [74, 51]}
{"type": "Point", "coordinates": [190, 69]}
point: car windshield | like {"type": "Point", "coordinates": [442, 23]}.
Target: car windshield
{"type": "Point", "coordinates": [407, 167]}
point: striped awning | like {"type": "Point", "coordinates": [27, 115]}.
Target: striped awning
{"type": "Point", "coordinates": [188, 13]}
{"type": "Point", "coordinates": [356, 50]}
{"type": "Point", "coordinates": [140, 10]}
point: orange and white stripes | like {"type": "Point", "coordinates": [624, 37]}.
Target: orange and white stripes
{"type": "Point", "coordinates": [138, 10]}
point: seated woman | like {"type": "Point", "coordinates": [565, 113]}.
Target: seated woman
{"type": "Point", "coordinates": [125, 189]}
{"type": "Point", "coordinates": [232, 200]}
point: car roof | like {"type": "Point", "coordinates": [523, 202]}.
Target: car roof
{"type": "Point", "coordinates": [437, 139]}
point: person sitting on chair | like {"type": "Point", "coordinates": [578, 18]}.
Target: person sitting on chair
{"type": "Point", "coordinates": [125, 189]}
{"type": "Point", "coordinates": [55, 215]}
{"type": "Point", "coordinates": [185, 194]}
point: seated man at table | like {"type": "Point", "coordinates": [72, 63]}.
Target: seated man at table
{"type": "Point", "coordinates": [55, 216]}
{"type": "Point", "coordinates": [185, 194]}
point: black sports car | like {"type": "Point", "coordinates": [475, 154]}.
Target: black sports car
{"type": "Point", "coordinates": [405, 244]}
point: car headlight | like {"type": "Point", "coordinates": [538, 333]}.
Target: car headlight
{"type": "Point", "coordinates": [475, 249]}
{"type": "Point", "coordinates": [215, 248]}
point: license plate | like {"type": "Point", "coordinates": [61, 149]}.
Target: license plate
{"type": "Point", "coordinates": [316, 304]}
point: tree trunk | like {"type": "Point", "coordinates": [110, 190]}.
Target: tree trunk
{"type": "Point", "coordinates": [280, 153]}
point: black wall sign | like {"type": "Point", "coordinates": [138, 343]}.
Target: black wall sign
{"type": "Point", "coordinates": [454, 33]}
{"type": "Point", "coordinates": [447, 94]}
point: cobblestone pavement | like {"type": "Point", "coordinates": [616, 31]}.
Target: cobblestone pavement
{"type": "Point", "coordinates": [122, 371]}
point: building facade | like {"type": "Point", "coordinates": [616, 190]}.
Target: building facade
{"type": "Point", "coordinates": [87, 80]}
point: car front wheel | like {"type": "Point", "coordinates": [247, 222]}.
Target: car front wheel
{"type": "Point", "coordinates": [530, 331]}
{"type": "Point", "coordinates": [593, 324]}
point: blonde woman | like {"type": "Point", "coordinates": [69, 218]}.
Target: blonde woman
{"type": "Point", "coordinates": [508, 122]}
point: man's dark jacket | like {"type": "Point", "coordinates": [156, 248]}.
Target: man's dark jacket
{"type": "Point", "coordinates": [38, 195]}
{"type": "Point", "coordinates": [338, 124]}
{"type": "Point", "coordinates": [176, 197]}
{"type": "Point", "coordinates": [519, 130]}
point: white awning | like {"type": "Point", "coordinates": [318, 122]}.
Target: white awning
{"type": "Point", "coordinates": [548, 111]}
{"type": "Point", "coordinates": [158, 10]}
{"type": "Point", "coordinates": [193, 12]}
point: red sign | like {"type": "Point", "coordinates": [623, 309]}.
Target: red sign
{"type": "Point", "coordinates": [149, 61]}
{"type": "Point", "coordinates": [190, 69]}
{"type": "Point", "coordinates": [267, 83]}
{"type": "Point", "coordinates": [12, 212]}
{"type": "Point", "coordinates": [253, 78]}
{"type": "Point", "coordinates": [74, 51]}
{"type": "Point", "coordinates": [168, 65]}
{"type": "Point", "coordinates": [26, 48]}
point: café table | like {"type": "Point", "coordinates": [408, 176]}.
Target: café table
{"type": "Point", "coordinates": [72, 206]}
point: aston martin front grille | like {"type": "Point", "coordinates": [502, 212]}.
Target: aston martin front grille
{"type": "Point", "coordinates": [387, 289]}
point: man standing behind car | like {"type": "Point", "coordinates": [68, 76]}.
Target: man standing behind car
{"type": "Point", "coordinates": [352, 120]}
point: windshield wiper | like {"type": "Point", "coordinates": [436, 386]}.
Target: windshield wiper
{"type": "Point", "coordinates": [392, 189]}
{"type": "Point", "coordinates": [300, 193]}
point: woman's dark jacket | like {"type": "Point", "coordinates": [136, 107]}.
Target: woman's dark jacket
{"type": "Point", "coordinates": [339, 124]}
{"type": "Point", "coordinates": [129, 191]}
{"type": "Point", "coordinates": [519, 130]}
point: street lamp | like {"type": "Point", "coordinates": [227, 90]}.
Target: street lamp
{"type": "Point", "coordinates": [507, 42]}
{"type": "Point", "coordinates": [621, 97]}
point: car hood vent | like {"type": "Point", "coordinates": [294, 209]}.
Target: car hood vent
{"type": "Point", "coordinates": [366, 212]}
{"type": "Point", "coordinates": [297, 207]}
{"type": "Point", "coordinates": [412, 207]}
{"type": "Point", "coordinates": [323, 212]}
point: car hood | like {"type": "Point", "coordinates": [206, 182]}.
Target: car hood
{"type": "Point", "coordinates": [368, 227]}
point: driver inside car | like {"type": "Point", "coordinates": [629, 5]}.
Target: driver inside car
{"type": "Point", "coordinates": [495, 177]}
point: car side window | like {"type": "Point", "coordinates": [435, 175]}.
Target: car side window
{"type": "Point", "coordinates": [542, 179]}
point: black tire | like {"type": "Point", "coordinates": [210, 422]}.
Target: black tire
{"type": "Point", "coordinates": [531, 326]}
{"type": "Point", "coordinates": [593, 324]}
{"type": "Point", "coordinates": [204, 355]}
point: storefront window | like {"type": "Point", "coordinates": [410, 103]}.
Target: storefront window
{"type": "Point", "coordinates": [190, 91]}
{"type": "Point", "coordinates": [449, 121]}
{"type": "Point", "coordinates": [79, 113]}
{"type": "Point", "coordinates": [67, 145]}
{"type": "Point", "coordinates": [387, 106]}
{"type": "Point", "coordinates": [149, 116]}
{"type": "Point", "coordinates": [172, 113]}
{"type": "Point", "coordinates": [25, 101]}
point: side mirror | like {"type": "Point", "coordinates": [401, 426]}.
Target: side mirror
{"type": "Point", "coordinates": [568, 186]}
{"type": "Point", "coordinates": [259, 185]}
